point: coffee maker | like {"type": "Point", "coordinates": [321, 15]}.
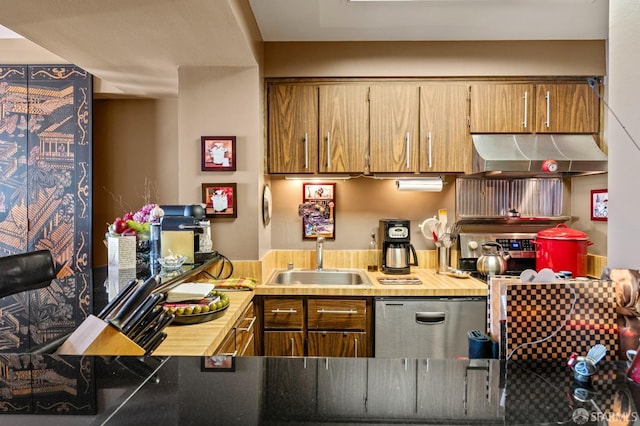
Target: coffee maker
{"type": "Point", "coordinates": [395, 246]}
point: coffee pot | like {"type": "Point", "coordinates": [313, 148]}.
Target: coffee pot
{"type": "Point", "coordinates": [397, 255]}
{"type": "Point", "coordinates": [396, 249]}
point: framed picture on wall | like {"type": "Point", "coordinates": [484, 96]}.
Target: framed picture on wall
{"type": "Point", "coordinates": [221, 200]}
{"type": "Point", "coordinates": [599, 204]}
{"type": "Point", "coordinates": [318, 210]}
{"type": "Point", "coordinates": [218, 153]}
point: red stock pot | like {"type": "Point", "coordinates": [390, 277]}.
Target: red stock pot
{"type": "Point", "coordinates": [562, 249]}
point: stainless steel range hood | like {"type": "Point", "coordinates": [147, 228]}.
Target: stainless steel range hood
{"type": "Point", "coordinates": [525, 154]}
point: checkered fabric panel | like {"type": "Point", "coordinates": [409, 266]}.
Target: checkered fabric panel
{"type": "Point", "coordinates": [562, 318]}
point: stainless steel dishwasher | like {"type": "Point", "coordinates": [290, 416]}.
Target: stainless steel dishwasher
{"type": "Point", "coordinates": [427, 327]}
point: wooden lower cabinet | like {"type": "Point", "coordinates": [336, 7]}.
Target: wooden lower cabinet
{"type": "Point", "coordinates": [284, 343]}
{"type": "Point", "coordinates": [240, 341]}
{"type": "Point", "coordinates": [313, 326]}
{"type": "Point", "coordinates": [337, 343]}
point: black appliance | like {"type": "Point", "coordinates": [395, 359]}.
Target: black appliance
{"type": "Point", "coordinates": [396, 248]}
{"type": "Point", "coordinates": [518, 245]}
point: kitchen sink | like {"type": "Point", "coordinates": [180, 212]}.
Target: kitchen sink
{"type": "Point", "coordinates": [348, 277]}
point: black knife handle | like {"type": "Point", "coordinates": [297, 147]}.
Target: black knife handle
{"type": "Point", "coordinates": [148, 335]}
{"type": "Point", "coordinates": [153, 345]}
{"type": "Point", "coordinates": [128, 288]}
{"type": "Point", "coordinates": [137, 333]}
{"type": "Point", "coordinates": [139, 296]}
{"type": "Point", "coordinates": [141, 313]}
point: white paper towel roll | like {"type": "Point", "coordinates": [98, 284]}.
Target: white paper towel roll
{"type": "Point", "coordinates": [425, 184]}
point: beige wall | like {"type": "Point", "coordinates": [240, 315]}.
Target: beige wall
{"type": "Point", "coordinates": [217, 101]}
{"type": "Point", "coordinates": [435, 59]}
{"type": "Point", "coordinates": [581, 211]}
{"type": "Point", "coordinates": [134, 160]}
{"type": "Point", "coordinates": [360, 204]}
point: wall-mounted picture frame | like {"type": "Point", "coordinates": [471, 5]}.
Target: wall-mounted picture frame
{"type": "Point", "coordinates": [318, 210]}
{"type": "Point", "coordinates": [218, 153]}
{"type": "Point", "coordinates": [218, 363]}
{"type": "Point", "coordinates": [220, 199]}
{"type": "Point", "coordinates": [600, 204]}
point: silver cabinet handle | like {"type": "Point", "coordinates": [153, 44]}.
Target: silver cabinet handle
{"type": "Point", "coordinates": [526, 109]}
{"type": "Point", "coordinates": [250, 326]}
{"type": "Point", "coordinates": [330, 311]}
{"type": "Point", "coordinates": [355, 347]}
{"type": "Point", "coordinates": [292, 348]}
{"type": "Point", "coordinates": [407, 140]}
{"type": "Point", "coordinates": [429, 151]}
{"type": "Point", "coordinates": [430, 317]}
{"type": "Point", "coordinates": [249, 342]}
{"type": "Point", "coordinates": [306, 150]}
{"type": "Point", "coordinates": [328, 150]}
{"type": "Point", "coordinates": [284, 311]}
{"type": "Point", "coordinates": [548, 98]}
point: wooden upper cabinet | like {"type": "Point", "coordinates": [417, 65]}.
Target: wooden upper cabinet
{"type": "Point", "coordinates": [501, 107]}
{"type": "Point", "coordinates": [394, 142]}
{"type": "Point", "coordinates": [553, 107]}
{"type": "Point", "coordinates": [293, 128]}
{"type": "Point", "coordinates": [344, 128]}
{"type": "Point", "coordinates": [567, 108]}
{"type": "Point", "coordinates": [445, 142]}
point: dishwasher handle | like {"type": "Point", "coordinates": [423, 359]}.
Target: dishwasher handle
{"type": "Point", "coordinates": [428, 318]}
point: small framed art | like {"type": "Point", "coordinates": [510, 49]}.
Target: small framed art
{"type": "Point", "coordinates": [218, 153]}
{"type": "Point", "coordinates": [599, 204]}
{"type": "Point", "coordinates": [218, 363]}
{"type": "Point", "coordinates": [318, 210]}
{"type": "Point", "coordinates": [221, 200]}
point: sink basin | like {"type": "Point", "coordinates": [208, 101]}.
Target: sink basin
{"type": "Point", "coordinates": [323, 277]}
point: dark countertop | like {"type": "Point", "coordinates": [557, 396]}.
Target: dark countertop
{"type": "Point", "coordinates": [270, 391]}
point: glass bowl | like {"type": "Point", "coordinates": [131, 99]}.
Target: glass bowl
{"type": "Point", "coordinates": [171, 263]}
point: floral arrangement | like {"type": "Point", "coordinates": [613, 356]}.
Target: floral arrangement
{"type": "Point", "coordinates": [136, 224]}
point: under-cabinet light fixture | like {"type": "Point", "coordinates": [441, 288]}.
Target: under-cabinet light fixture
{"type": "Point", "coordinates": [427, 184]}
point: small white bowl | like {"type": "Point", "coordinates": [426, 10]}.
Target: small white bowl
{"type": "Point", "coordinates": [172, 263]}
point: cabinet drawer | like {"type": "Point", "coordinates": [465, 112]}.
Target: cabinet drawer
{"type": "Point", "coordinates": [327, 314]}
{"type": "Point", "coordinates": [228, 346]}
{"type": "Point", "coordinates": [283, 314]}
{"type": "Point", "coordinates": [245, 332]}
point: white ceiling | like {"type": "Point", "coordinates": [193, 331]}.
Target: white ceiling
{"type": "Point", "coordinates": [380, 20]}
{"type": "Point", "coordinates": [138, 46]}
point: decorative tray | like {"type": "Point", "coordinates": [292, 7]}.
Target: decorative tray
{"type": "Point", "coordinates": [198, 318]}
{"type": "Point", "coordinates": [191, 312]}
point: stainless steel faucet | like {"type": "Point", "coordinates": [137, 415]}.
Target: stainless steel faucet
{"type": "Point", "coordinates": [319, 249]}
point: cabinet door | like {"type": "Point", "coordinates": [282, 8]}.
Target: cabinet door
{"type": "Point", "coordinates": [245, 334]}
{"type": "Point", "coordinates": [393, 136]}
{"type": "Point", "coordinates": [283, 343]}
{"type": "Point", "coordinates": [338, 344]}
{"type": "Point", "coordinates": [344, 128]}
{"type": "Point", "coordinates": [501, 107]}
{"type": "Point", "coordinates": [445, 142]}
{"type": "Point", "coordinates": [293, 128]}
{"type": "Point", "coordinates": [567, 108]}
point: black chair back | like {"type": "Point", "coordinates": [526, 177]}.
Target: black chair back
{"type": "Point", "coordinates": [26, 271]}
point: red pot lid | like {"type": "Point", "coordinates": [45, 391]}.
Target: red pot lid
{"type": "Point", "coordinates": [562, 232]}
